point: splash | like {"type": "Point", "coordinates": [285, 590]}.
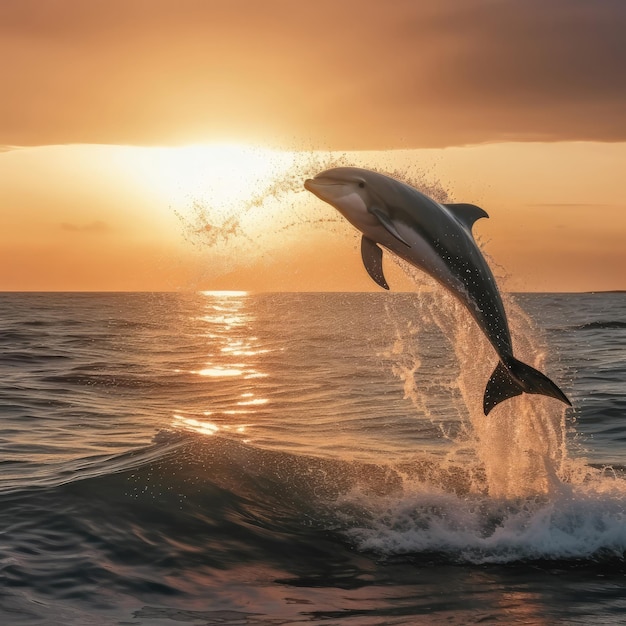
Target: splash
{"type": "Point", "coordinates": [258, 228]}
{"type": "Point", "coordinates": [520, 447]}
{"type": "Point", "coordinates": [588, 524]}
{"type": "Point", "coordinates": [209, 223]}
{"type": "Point", "coordinates": [506, 489]}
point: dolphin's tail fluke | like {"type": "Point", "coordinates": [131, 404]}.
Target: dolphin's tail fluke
{"type": "Point", "coordinates": [515, 378]}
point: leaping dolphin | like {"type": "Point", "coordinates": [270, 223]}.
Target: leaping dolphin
{"type": "Point", "coordinates": [436, 238]}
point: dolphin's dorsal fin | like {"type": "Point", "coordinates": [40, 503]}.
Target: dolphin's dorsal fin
{"type": "Point", "coordinates": [387, 223]}
{"type": "Point", "coordinates": [467, 214]}
{"type": "Point", "coordinates": [372, 257]}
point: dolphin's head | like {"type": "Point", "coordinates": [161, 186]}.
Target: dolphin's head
{"type": "Point", "coordinates": [345, 188]}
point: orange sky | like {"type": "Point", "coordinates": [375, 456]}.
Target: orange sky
{"type": "Point", "coordinates": [515, 106]}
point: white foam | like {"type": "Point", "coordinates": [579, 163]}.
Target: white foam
{"type": "Point", "coordinates": [587, 522]}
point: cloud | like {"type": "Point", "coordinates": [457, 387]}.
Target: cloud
{"type": "Point", "coordinates": [355, 74]}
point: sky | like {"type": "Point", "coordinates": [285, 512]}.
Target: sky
{"type": "Point", "coordinates": [161, 144]}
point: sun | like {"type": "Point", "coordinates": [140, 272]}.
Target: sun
{"type": "Point", "coordinates": [213, 195]}
{"type": "Point", "coordinates": [222, 175]}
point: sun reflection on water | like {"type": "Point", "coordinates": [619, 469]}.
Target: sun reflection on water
{"type": "Point", "coordinates": [218, 371]}
{"type": "Point", "coordinates": [253, 402]}
{"type": "Point", "coordinates": [203, 427]}
{"type": "Point", "coordinates": [233, 359]}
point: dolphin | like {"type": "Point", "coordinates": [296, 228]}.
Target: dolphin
{"type": "Point", "coordinates": [436, 238]}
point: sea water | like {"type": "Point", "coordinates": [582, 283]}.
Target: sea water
{"type": "Point", "coordinates": [234, 458]}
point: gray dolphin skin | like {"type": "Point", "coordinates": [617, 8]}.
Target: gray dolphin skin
{"type": "Point", "coordinates": [436, 238]}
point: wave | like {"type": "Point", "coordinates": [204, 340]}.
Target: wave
{"type": "Point", "coordinates": [103, 380]}
{"type": "Point", "coordinates": [212, 502]}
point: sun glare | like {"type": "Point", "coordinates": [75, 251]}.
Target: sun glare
{"type": "Point", "coordinates": [225, 293]}
{"type": "Point", "coordinates": [221, 175]}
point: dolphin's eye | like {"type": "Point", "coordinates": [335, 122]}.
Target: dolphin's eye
{"type": "Point", "coordinates": [361, 184]}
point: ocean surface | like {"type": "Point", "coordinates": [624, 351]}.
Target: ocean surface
{"type": "Point", "coordinates": [232, 458]}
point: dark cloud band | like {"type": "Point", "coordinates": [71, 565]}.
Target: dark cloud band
{"type": "Point", "coordinates": [336, 75]}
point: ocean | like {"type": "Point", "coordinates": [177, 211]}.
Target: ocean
{"type": "Point", "coordinates": [292, 458]}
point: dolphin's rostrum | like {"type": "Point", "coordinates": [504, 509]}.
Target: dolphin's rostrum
{"type": "Point", "coordinates": [436, 238]}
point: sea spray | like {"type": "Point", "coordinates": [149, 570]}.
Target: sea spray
{"type": "Point", "coordinates": [429, 521]}
{"type": "Point", "coordinates": [258, 228]}
{"type": "Point", "coordinates": [209, 223]}
{"type": "Point", "coordinates": [521, 447]}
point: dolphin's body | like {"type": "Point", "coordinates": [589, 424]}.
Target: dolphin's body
{"type": "Point", "coordinates": [436, 238]}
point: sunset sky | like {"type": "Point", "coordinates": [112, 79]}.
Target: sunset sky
{"type": "Point", "coordinates": [162, 144]}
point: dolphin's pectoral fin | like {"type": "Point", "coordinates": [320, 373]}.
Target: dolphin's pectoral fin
{"type": "Point", "coordinates": [372, 257]}
{"type": "Point", "coordinates": [517, 378]}
{"type": "Point", "coordinates": [467, 214]}
{"type": "Point", "coordinates": [387, 223]}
